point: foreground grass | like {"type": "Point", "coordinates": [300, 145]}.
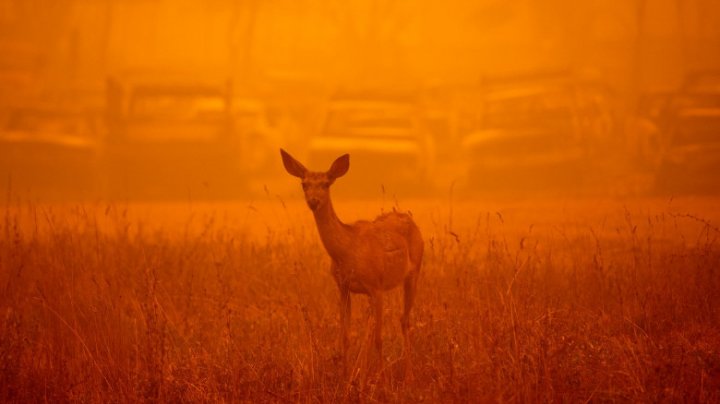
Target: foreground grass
{"type": "Point", "coordinates": [514, 305]}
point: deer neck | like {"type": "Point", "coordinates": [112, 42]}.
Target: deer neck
{"type": "Point", "coordinates": [335, 235]}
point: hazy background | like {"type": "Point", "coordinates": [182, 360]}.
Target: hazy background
{"type": "Point", "coordinates": [561, 159]}
{"type": "Point", "coordinates": [281, 64]}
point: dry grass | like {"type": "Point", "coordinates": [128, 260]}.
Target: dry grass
{"type": "Point", "coordinates": [558, 301]}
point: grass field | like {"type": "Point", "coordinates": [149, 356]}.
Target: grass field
{"type": "Point", "coordinates": [544, 300]}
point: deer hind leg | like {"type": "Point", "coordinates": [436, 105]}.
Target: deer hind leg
{"type": "Point", "coordinates": [345, 310]}
{"type": "Point", "coordinates": [410, 288]}
{"type": "Point", "coordinates": [376, 303]}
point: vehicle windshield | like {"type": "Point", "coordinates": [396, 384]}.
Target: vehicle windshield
{"type": "Point", "coordinates": [684, 102]}
{"type": "Point", "coordinates": [40, 122]}
{"type": "Point", "coordinates": [706, 83]}
{"type": "Point", "coordinates": [173, 107]}
{"type": "Point", "coordinates": [551, 109]}
{"type": "Point", "coordinates": [696, 126]}
{"type": "Point", "coordinates": [176, 116]}
{"type": "Point", "coordinates": [369, 121]}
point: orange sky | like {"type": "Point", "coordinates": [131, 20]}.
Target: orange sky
{"type": "Point", "coordinates": [76, 43]}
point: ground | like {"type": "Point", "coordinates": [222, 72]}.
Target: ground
{"type": "Point", "coordinates": [569, 299]}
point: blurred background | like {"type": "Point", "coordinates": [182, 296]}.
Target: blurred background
{"type": "Point", "coordinates": [190, 99]}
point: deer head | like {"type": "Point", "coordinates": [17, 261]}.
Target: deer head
{"type": "Point", "coordinates": [316, 185]}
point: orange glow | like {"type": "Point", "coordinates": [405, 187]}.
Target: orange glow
{"type": "Point", "coordinates": [560, 158]}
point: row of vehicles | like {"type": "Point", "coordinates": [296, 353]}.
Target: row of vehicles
{"type": "Point", "coordinates": [152, 138]}
{"type": "Point", "coordinates": [539, 133]}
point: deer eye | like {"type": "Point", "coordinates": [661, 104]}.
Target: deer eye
{"type": "Point", "coordinates": [305, 186]}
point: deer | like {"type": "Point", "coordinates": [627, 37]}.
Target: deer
{"type": "Point", "coordinates": [367, 257]}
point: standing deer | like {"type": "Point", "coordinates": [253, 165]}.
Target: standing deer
{"type": "Point", "coordinates": [367, 257]}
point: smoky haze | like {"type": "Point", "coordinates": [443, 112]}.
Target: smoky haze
{"type": "Point", "coordinates": [160, 99]}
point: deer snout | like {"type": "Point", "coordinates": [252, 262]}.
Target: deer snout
{"type": "Point", "coordinates": [313, 203]}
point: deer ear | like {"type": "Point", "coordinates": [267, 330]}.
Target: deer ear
{"type": "Point", "coordinates": [292, 166]}
{"type": "Point", "coordinates": [339, 167]}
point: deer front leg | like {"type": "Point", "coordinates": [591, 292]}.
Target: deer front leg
{"type": "Point", "coordinates": [376, 303]}
{"type": "Point", "coordinates": [409, 296]}
{"type": "Point", "coordinates": [345, 309]}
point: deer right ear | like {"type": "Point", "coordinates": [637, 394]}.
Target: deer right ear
{"type": "Point", "coordinates": [292, 166]}
{"type": "Point", "coordinates": [339, 167]}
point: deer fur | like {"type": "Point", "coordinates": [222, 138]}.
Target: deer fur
{"type": "Point", "coordinates": [367, 257]}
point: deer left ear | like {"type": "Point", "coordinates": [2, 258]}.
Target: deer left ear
{"type": "Point", "coordinates": [292, 166]}
{"type": "Point", "coordinates": [339, 167]}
